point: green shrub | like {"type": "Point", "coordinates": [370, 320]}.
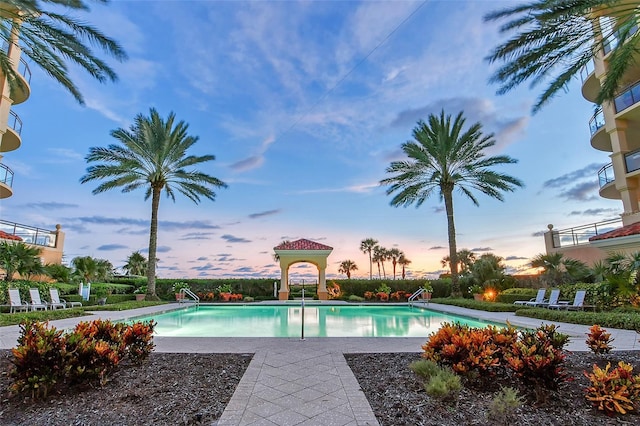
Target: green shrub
{"type": "Point", "coordinates": [354, 298]}
{"type": "Point", "coordinates": [444, 385]}
{"type": "Point", "coordinates": [626, 321]}
{"type": "Point", "coordinates": [425, 368]}
{"type": "Point", "coordinates": [503, 406]}
{"type": "Point", "coordinates": [479, 305]}
{"type": "Point", "coordinates": [615, 391]}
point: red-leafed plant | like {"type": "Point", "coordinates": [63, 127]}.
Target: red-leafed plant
{"type": "Point", "coordinates": [614, 391]}
{"type": "Point", "coordinates": [537, 358]}
{"type": "Point", "coordinates": [39, 359]}
{"type": "Point", "coordinates": [598, 340]}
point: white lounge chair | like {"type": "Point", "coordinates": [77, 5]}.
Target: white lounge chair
{"type": "Point", "coordinates": [553, 299]}
{"type": "Point", "coordinates": [538, 299]}
{"type": "Point", "coordinates": [578, 302]}
{"type": "Point", "coordinates": [16, 303]}
{"type": "Point", "coordinates": [36, 302]}
{"type": "Point", "coordinates": [55, 299]}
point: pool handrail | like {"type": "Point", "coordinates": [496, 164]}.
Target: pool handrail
{"type": "Point", "coordinates": [187, 292]}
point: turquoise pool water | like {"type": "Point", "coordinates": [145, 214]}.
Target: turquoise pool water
{"type": "Point", "coordinates": [319, 321]}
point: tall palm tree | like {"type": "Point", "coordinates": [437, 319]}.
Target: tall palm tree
{"type": "Point", "coordinates": [404, 262]}
{"type": "Point", "coordinates": [555, 40]}
{"type": "Point", "coordinates": [85, 267]}
{"type": "Point", "coordinates": [51, 38]}
{"type": "Point", "coordinates": [18, 257]}
{"type": "Point", "coordinates": [378, 257]}
{"type": "Point", "coordinates": [443, 157]}
{"type": "Point", "coordinates": [366, 246]}
{"type": "Point", "coordinates": [136, 264]}
{"type": "Point", "coordinates": [153, 155]}
{"type": "Point", "coordinates": [346, 267]}
{"type": "Point", "coordinates": [394, 254]}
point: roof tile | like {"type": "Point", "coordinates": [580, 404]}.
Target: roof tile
{"type": "Point", "coordinates": [302, 244]}
{"type": "Point", "coordinates": [625, 231]}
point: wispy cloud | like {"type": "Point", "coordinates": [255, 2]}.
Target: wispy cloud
{"type": "Point", "coordinates": [110, 247]}
{"type": "Point", "coordinates": [596, 212]}
{"type": "Point", "coordinates": [437, 248]}
{"type": "Point", "coordinates": [357, 189]}
{"type": "Point", "coordinates": [263, 214]}
{"type": "Point", "coordinates": [256, 160]}
{"type": "Point", "coordinates": [509, 258]}
{"type": "Point", "coordinates": [52, 205]}
{"type": "Point", "coordinates": [231, 239]}
{"type": "Point", "coordinates": [481, 249]}
{"type": "Point", "coordinates": [165, 225]}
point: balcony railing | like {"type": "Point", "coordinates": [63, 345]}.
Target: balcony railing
{"type": "Point", "coordinates": [23, 66]}
{"type": "Point", "coordinates": [30, 234]}
{"type": "Point", "coordinates": [586, 70]}
{"type": "Point", "coordinates": [597, 121]}
{"type": "Point", "coordinates": [627, 98]}
{"type": "Point", "coordinates": [6, 175]}
{"type": "Point", "coordinates": [612, 41]}
{"type": "Point", "coordinates": [581, 234]}
{"type": "Point", "coordinates": [605, 175]}
{"type": "Point", "coordinates": [14, 122]}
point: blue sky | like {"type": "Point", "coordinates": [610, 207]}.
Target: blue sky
{"type": "Point", "coordinates": [304, 104]}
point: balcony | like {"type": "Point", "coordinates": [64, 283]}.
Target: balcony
{"type": "Point", "coordinates": [11, 139]}
{"type": "Point", "coordinates": [627, 98]}
{"type": "Point", "coordinates": [600, 139]}
{"type": "Point", "coordinates": [590, 83]}
{"type": "Point", "coordinates": [6, 181]}
{"type": "Point", "coordinates": [20, 92]}
{"type": "Point", "coordinates": [580, 235]}
{"type": "Point", "coordinates": [613, 40]}
{"type": "Point", "coordinates": [606, 179]}
{"type": "Point", "coordinates": [30, 234]}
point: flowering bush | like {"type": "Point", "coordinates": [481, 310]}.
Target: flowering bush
{"type": "Point", "coordinates": [599, 340]}
{"type": "Point", "coordinates": [177, 286]}
{"type": "Point", "coordinates": [369, 295]}
{"type": "Point", "coordinates": [615, 391]}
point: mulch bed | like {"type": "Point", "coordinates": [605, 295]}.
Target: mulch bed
{"type": "Point", "coordinates": [397, 395]}
{"type": "Point", "coordinates": [168, 389]}
{"type": "Point", "coordinates": [184, 389]}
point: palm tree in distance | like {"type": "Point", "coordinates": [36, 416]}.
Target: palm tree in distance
{"type": "Point", "coordinates": [556, 40]}
{"type": "Point", "coordinates": [378, 257]}
{"type": "Point", "coordinates": [443, 157]}
{"type": "Point", "coordinates": [466, 259]}
{"type": "Point", "coordinates": [366, 246]}
{"type": "Point", "coordinates": [136, 264]}
{"type": "Point", "coordinates": [49, 39]}
{"type": "Point", "coordinates": [394, 255]}
{"type": "Point", "coordinates": [18, 257]}
{"type": "Point", "coordinates": [404, 262]}
{"type": "Point", "coordinates": [153, 155]}
{"type": "Point", "coordinates": [346, 267]}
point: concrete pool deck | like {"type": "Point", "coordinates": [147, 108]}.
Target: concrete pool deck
{"type": "Point", "coordinates": [308, 382]}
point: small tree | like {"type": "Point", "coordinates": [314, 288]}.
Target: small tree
{"type": "Point", "coordinates": [346, 267]}
{"type": "Point", "coordinates": [18, 257]}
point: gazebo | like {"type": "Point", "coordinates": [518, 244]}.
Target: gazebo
{"type": "Point", "coordinates": [291, 252]}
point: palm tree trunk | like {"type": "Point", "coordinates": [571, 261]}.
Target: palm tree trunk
{"type": "Point", "coordinates": [153, 243]}
{"type": "Point", "coordinates": [370, 266]}
{"type": "Point", "coordinates": [384, 273]}
{"type": "Point", "coordinates": [453, 254]}
{"type": "Point", "coordinates": [379, 276]}
{"type": "Point", "coordinates": [394, 270]}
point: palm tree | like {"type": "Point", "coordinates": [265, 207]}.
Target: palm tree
{"type": "Point", "coordinates": [378, 257]}
{"type": "Point", "coordinates": [153, 156]}
{"type": "Point", "coordinates": [466, 259]}
{"type": "Point", "coordinates": [85, 267]}
{"type": "Point", "coordinates": [50, 39]}
{"type": "Point", "coordinates": [558, 269]}
{"type": "Point", "coordinates": [366, 246]}
{"type": "Point", "coordinates": [346, 267]}
{"type": "Point", "coordinates": [394, 254]}
{"type": "Point", "coordinates": [442, 157]}
{"type": "Point", "coordinates": [555, 40]}
{"type": "Point", "coordinates": [19, 258]}
{"type": "Point", "coordinates": [404, 262]}
{"type": "Point", "coordinates": [136, 264]}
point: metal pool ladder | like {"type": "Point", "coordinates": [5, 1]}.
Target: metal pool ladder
{"type": "Point", "coordinates": [415, 295]}
{"type": "Point", "coordinates": [187, 292]}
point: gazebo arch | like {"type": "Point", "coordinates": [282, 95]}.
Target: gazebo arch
{"type": "Point", "coordinates": [302, 250]}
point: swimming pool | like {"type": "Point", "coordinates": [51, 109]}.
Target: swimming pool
{"type": "Point", "coordinates": [319, 321]}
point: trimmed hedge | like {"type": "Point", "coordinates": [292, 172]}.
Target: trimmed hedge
{"type": "Point", "coordinates": [474, 304]}
{"type": "Point", "coordinates": [623, 320]}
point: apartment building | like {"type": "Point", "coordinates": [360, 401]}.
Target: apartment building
{"type": "Point", "coordinates": [615, 131]}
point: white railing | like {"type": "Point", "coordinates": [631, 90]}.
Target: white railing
{"type": "Point", "coordinates": [415, 295]}
{"type": "Point", "coordinates": [186, 292]}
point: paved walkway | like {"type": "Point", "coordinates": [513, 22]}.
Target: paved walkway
{"type": "Point", "coordinates": [308, 382]}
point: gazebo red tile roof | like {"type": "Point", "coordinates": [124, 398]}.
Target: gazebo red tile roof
{"type": "Point", "coordinates": [625, 231]}
{"type": "Point", "coordinates": [6, 236]}
{"type": "Point", "coordinates": [302, 244]}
